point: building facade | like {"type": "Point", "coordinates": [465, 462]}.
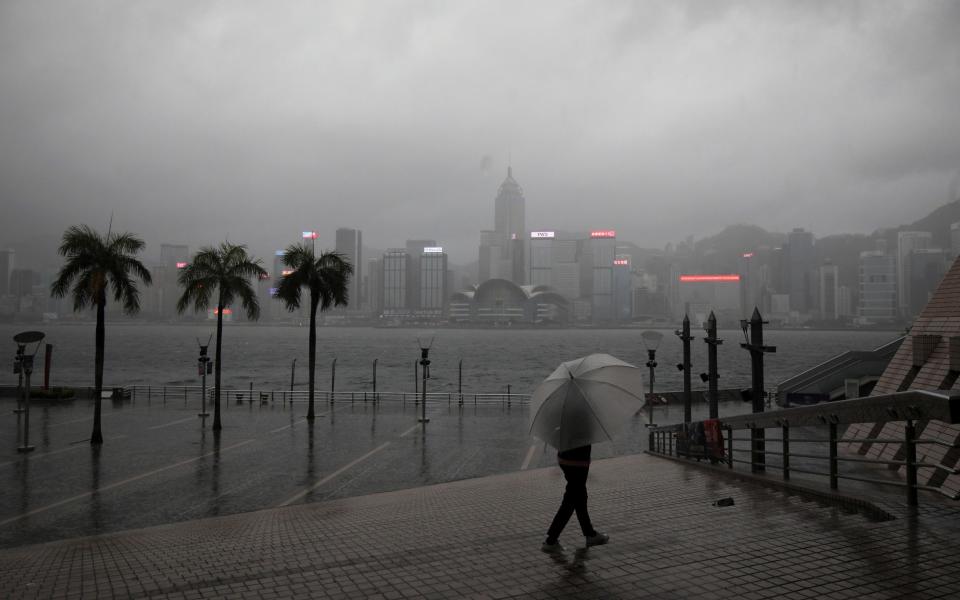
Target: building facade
{"type": "Point", "coordinates": [907, 242]}
{"type": "Point", "coordinates": [878, 287]}
{"type": "Point", "coordinates": [349, 243]}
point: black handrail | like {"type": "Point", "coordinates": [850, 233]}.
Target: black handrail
{"type": "Point", "coordinates": [907, 407]}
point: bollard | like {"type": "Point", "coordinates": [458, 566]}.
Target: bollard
{"type": "Point", "coordinates": [785, 436]}
{"type": "Point", "coordinates": [833, 456]}
{"type": "Point", "coordinates": [910, 443]}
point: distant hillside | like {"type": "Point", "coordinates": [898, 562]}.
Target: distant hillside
{"type": "Point", "coordinates": [938, 223]}
{"type": "Point", "coordinates": [720, 252]}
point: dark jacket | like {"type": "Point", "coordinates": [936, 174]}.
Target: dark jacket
{"type": "Point", "coordinates": [575, 457]}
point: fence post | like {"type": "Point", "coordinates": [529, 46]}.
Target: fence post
{"type": "Point", "coordinates": [729, 447]}
{"type": "Point", "coordinates": [833, 456]}
{"type": "Point", "coordinates": [785, 436]}
{"type": "Point", "coordinates": [910, 442]}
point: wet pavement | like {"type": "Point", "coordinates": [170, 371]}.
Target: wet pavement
{"type": "Point", "coordinates": [480, 538]}
{"type": "Point", "coordinates": [160, 463]}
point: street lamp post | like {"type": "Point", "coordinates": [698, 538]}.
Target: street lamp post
{"type": "Point", "coordinates": [685, 338]}
{"type": "Point", "coordinates": [375, 379]}
{"type": "Point", "coordinates": [333, 379]}
{"type": "Point", "coordinates": [19, 371]}
{"type": "Point", "coordinates": [293, 371]}
{"type": "Point", "coordinates": [425, 374]}
{"type": "Point", "coordinates": [204, 366]}
{"type": "Point", "coordinates": [754, 345]}
{"type": "Point", "coordinates": [651, 340]}
{"type": "Point", "coordinates": [24, 364]}
{"type": "Point", "coordinates": [711, 376]}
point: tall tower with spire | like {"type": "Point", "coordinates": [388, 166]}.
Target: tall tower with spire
{"type": "Point", "coordinates": [502, 250]}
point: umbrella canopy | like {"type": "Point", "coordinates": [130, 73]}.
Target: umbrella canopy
{"type": "Point", "coordinates": [586, 400]}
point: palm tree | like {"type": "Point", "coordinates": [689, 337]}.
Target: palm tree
{"type": "Point", "coordinates": [95, 265]}
{"type": "Point", "coordinates": [326, 276]}
{"type": "Point", "coordinates": [227, 269]}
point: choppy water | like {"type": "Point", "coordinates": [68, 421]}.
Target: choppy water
{"type": "Point", "coordinates": [166, 355]}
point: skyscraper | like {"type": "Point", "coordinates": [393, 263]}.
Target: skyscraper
{"type": "Point", "coordinates": [349, 243]}
{"type": "Point", "coordinates": [508, 238]}
{"type": "Point", "coordinates": [603, 248]}
{"type": "Point", "coordinates": [907, 242]}
{"type": "Point", "coordinates": [800, 269]}
{"type": "Point", "coordinates": [878, 287]}
{"type": "Point", "coordinates": [432, 282]}
{"type": "Point", "coordinates": [396, 269]}
{"type": "Point", "coordinates": [829, 291]}
{"type": "Point", "coordinates": [541, 257]}
{"type": "Point", "coordinates": [6, 265]}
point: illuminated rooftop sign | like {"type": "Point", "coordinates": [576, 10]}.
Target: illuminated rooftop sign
{"type": "Point", "coordinates": [621, 262]}
{"type": "Point", "coordinates": [603, 233]}
{"type": "Point", "coordinates": [286, 272]}
{"type": "Point", "coordinates": [433, 250]}
{"type": "Point", "coordinates": [181, 265]}
{"type": "Point", "coordinates": [709, 278]}
{"type": "Point", "coordinates": [543, 235]}
{"type": "Point", "coordinates": [309, 235]}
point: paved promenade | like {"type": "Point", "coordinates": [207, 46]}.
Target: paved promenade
{"type": "Point", "coordinates": [479, 538]}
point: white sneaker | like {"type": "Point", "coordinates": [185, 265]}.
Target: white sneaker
{"type": "Point", "coordinates": [597, 539]}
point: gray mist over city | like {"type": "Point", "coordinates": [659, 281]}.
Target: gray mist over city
{"type": "Point", "coordinates": [193, 122]}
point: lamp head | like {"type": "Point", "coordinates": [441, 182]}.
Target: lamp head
{"type": "Point", "coordinates": [651, 340]}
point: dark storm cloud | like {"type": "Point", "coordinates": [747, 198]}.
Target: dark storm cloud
{"type": "Point", "coordinates": [193, 121]}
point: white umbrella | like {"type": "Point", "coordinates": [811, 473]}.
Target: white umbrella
{"type": "Point", "coordinates": [585, 401]}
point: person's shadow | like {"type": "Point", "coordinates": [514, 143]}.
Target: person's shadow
{"type": "Point", "coordinates": [575, 563]}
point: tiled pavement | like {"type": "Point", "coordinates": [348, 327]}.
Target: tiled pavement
{"type": "Point", "coordinates": [480, 538]}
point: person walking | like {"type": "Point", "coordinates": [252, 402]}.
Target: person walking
{"type": "Point", "coordinates": [575, 464]}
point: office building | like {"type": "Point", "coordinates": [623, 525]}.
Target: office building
{"type": "Point", "coordinates": [374, 273]}
{"type": "Point", "coordinates": [502, 253]}
{"type": "Point", "coordinates": [926, 268]}
{"type": "Point", "coordinates": [878, 287]}
{"type": "Point", "coordinates": [349, 243]}
{"type": "Point", "coordinates": [799, 269]}
{"type": "Point", "coordinates": [750, 283]}
{"type": "Point", "coordinates": [622, 288]}
{"type": "Point", "coordinates": [415, 250]}
{"type": "Point", "coordinates": [907, 242]}
{"type": "Point", "coordinates": [603, 249]}
{"type": "Point", "coordinates": [432, 285]}
{"type": "Point", "coordinates": [829, 287]}
{"type": "Point", "coordinates": [6, 266]}
{"type": "Point", "coordinates": [541, 257]}
{"type": "Point", "coordinates": [396, 267]}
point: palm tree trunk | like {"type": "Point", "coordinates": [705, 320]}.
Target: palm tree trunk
{"type": "Point", "coordinates": [216, 368]}
{"type": "Point", "coordinates": [312, 354]}
{"type": "Point", "coordinates": [96, 437]}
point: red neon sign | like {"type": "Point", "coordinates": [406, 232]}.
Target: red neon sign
{"type": "Point", "coordinates": [748, 255]}
{"type": "Point", "coordinates": [621, 262]}
{"type": "Point", "coordinates": [286, 272]}
{"type": "Point", "coordinates": [713, 278]}
{"type": "Point", "coordinates": [603, 233]}
{"type": "Point", "coordinates": [181, 265]}
{"type": "Point", "coordinates": [226, 311]}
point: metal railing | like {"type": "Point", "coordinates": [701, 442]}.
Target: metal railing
{"type": "Point", "coordinates": [263, 397]}
{"type": "Point", "coordinates": [907, 407]}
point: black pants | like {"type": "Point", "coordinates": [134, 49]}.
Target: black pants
{"type": "Point", "coordinates": [574, 499]}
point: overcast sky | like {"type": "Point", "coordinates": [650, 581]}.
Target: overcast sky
{"type": "Point", "coordinates": [193, 120]}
